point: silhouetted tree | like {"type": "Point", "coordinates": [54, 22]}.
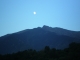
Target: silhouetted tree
{"type": "Point", "coordinates": [70, 53]}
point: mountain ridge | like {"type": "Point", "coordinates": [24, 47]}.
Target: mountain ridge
{"type": "Point", "coordinates": [43, 28]}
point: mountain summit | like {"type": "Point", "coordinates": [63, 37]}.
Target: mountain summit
{"type": "Point", "coordinates": [61, 31]}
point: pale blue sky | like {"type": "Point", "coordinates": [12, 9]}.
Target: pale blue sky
{"type": "Point", "coordinates": [17, 15]}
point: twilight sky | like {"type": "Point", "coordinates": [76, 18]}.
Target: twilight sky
{"type": "Point", "coordinates": [17, 15]}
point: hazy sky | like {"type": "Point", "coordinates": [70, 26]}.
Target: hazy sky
{"type": "Point", "coordinates": [17, 15]}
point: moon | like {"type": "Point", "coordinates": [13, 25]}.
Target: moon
{"type": "Point", "coordinates": [34, 12]}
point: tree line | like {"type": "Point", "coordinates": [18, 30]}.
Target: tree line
{"type": "Point", "coordinates": [70, 53]}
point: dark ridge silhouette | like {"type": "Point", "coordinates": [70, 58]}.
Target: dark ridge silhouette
{"type": "Point", "coordinates": [61, 31]}
{"type": "Point", "coordinates": [38, 38]}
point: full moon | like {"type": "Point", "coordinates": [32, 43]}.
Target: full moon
{"type": "Point", "coordinates": [34, 13]}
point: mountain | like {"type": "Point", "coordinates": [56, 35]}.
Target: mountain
{"type": "Point", "coordinates": [36, 38]}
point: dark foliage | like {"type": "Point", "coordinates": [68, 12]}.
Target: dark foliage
{"type": "Point", "coordinates": [70, 53]}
